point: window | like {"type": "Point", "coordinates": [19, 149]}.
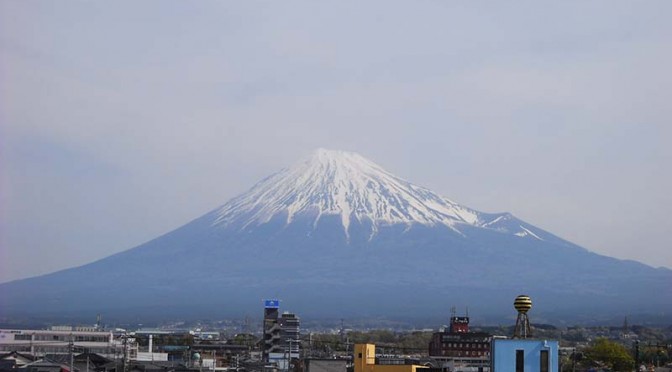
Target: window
{"type": "Point", "coordinates": [520, 360]}
{"type": "Point", "coordinates": [543, 362]}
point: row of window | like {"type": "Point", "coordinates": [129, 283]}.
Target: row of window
{"type": "Point", "coordinates": [92, 338]}
{"type": "Point", "coordinates": [463, 345]}
{"type": "Point", "coordinates": [55, 349]}
{"type": "Point", "coordinates": [14, 348]}
{"type": "Point", "coordinates": [29, 337]}
{"type": "Point", "coordinates": [466, 353]}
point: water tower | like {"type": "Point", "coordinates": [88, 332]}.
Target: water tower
{"type": "Point", "coordinates": [523, 304]}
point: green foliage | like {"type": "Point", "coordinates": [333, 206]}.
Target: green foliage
{"type": "Point", "coordinates": [574, 336]}
{"type": "Point", "coordinates": [378, 336]}
{"type": "Point", "coordinates": [399, 342]}
{"type": "Point", "coordinates": [244, 339]}
{"type": "Point", "coordinates": [392, 342]}
{"type": "Point", "coordinates": [654, 354]}
{"type": "Point", "coordinates": [609, 354]}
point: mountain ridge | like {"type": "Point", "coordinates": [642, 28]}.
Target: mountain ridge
{"type": "Point", "coordinates": [287, 237]}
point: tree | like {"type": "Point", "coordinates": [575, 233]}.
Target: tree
{"type": "Point", "coordinates": [246, 339]}
{"type": "Point", "coordinates": [609, 354]}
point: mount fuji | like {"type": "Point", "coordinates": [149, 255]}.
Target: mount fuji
{"type": "Point", "coordinates": [336, 235]}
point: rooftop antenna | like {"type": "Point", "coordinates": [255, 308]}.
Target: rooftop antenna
{"type": "Point", "coordinates": [522, 304]}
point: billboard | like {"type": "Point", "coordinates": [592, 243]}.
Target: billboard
{"type": "Point", "coordinates": [272, 304]}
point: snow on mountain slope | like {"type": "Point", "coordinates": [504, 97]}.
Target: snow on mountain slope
{"type": "Point", "coordinates": [355, 189]}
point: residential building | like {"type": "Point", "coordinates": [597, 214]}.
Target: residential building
{"type": "Point", "coordinates": [457, 348]}
{"type": "Point", "coordinates": [271, 338]}
{"type": "Point", "coordinates": [280, 344]}
{"type": "Point", "coordinates": [289, 333]}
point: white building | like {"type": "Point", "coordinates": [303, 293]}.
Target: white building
{"type": "Point", "coordinates": [59, 340]}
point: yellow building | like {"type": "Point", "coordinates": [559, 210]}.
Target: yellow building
{"type": "Point", "coordinates": [365, 361]}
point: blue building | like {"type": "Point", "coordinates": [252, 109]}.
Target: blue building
{"type": "Point", "coordinates": [524, 355]}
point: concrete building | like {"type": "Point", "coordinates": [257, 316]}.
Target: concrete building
{"type": "Point", "coordinates": [458, 349]}
{"type": "Point", "coordinates": [271, 339]}
{"type": "Point", "coordinates": [524, 355]}
{"type": "Point", "coordinates": [290, 327]}
{"type": "Point", "coordinates": [60, 341]}
{"type": "Point", "coordinates": [365, 361]}
{"type": "Point", "coordinates": [289, 342]}
{"type": "Point", "coordinates": [281, 343]}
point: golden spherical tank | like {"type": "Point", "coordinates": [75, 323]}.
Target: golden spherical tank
{"type": "Point", "coordinates": [523, 303]}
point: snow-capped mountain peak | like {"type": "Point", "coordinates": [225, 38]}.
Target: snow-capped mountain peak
{"type": "Point", "coordinates": [352, 187]}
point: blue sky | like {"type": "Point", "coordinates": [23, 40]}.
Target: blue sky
{"type": "Point", "coordinates": [120, 121]}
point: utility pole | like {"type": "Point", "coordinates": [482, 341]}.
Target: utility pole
{"type": "Point", "coordinates": [310, 344]}
{"type": "Point", "coordinates": [214, 360]}
{"type": "Point", "coordinates": [125, 365]}
{"type": "Point", "coordinates": [289, 353]}
{"type": "Point", "coordinates": [71, 346]}
{"type": "Point", "coordinates": [636, 354]}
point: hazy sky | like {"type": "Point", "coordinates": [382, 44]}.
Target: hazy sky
{"type": "Point", "coordinates": [121, 120]}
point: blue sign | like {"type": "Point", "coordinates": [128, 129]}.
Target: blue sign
{"type": "Point", "coordinates": [271, 304]}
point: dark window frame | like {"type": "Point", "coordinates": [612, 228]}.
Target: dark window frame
{"type": "Point", "coordinates": [544, 361]}
{"type": "Point", "coordinates": [520, 360]}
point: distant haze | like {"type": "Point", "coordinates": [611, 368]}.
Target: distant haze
{"type": "Point", "coordinates": [120, 121]}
